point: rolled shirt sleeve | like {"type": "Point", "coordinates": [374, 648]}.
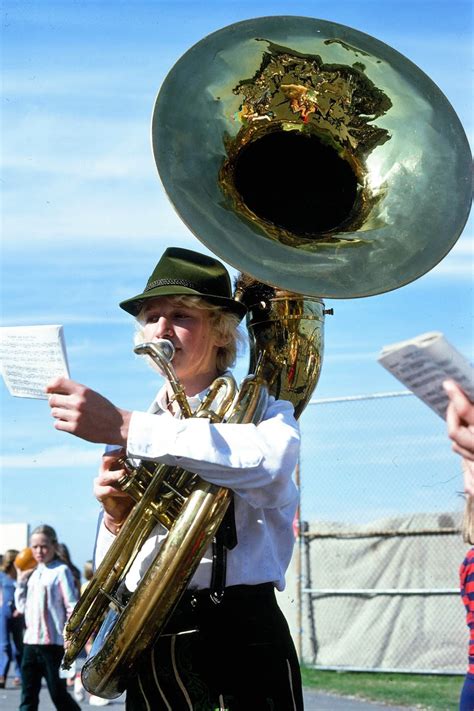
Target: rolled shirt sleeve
{"type": "Point", "coordinates": [255, 461]}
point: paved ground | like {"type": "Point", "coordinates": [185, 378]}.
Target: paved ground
{"type": "Point", "coordinates": [10, 701]}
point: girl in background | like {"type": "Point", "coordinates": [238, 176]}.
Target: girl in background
{"type": "Point", "coordinates": [46, 596]}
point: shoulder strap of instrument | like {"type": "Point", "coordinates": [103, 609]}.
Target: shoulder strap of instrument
{"type": "Point", "coordinates": [225, 539]}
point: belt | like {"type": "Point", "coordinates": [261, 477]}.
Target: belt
{"type": "Point", "coordinates": [232, 592]}
{"type": "Point", "coordinates": [198, 605]}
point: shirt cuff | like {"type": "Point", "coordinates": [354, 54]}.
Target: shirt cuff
{"type": "Point", "coordinates": [150, 436]}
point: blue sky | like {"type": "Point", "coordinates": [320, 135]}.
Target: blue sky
{"type": "Point", "coordinates": [85, 218]}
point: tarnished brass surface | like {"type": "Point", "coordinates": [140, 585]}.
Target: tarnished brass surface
{"type": "Point", "coordinates": [288, 346]}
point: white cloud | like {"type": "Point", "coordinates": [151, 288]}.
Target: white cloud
{"type": "Point", "coordinates": [459, 269]}
{"type": "Point", "coordinates": [66, 318]}
{"type": "Point", "coordinates": [464, 246]}
{"type": "Point", "coordinates": [58, 84]}
{"type": "Point", "coordinates": [460, 260]}
{"type": "Point", "coordinates": [112, 213]}
{"type": "Point", "coordinates": [52, 458]}
{"type": "Point", "coordinates": [87, 148]}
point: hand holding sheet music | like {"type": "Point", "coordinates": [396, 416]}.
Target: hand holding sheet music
{"type": "Point", "coordinates": [31, 356]}
{"type": "Point", "coordinates": [422, 364]}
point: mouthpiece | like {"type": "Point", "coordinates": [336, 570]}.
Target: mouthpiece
{"type": "Point", "coordinates": [161, 346]}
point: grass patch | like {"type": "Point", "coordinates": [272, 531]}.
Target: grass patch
{"type": "Point", "coordinates": [430, 693]}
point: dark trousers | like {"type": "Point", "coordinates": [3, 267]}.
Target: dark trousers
{"type": "Point", "coordinates": [241, 658]}
{"type": "Point", "coordinates": [44, 660]}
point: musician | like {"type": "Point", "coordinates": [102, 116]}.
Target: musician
{"type": "Point", "coordinates": [235, 654]}
{"type": "Point", "coordinates": [460, 428]}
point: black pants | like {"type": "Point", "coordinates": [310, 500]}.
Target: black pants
{"type": "Point", "coordinates": [44, 660]}
{"type": "Point", "coordinates": [241, 658]}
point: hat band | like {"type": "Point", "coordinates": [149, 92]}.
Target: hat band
{"type": "Point", "coordinates": [175, 282]}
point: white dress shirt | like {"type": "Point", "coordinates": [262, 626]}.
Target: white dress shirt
{"type": "Point", "coordinates": [255, 461]}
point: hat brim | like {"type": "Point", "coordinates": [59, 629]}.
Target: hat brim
{"type": "Point", "coordinates": [134, 305]}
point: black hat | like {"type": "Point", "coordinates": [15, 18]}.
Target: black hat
{"type": "Point", "coordinates": [182, 271]}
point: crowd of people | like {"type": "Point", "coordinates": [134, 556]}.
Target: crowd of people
{"type": "Point", "coordinates": [39, 587]}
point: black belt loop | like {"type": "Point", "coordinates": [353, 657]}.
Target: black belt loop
{"type": "Point", "coordinates": [225, 538]}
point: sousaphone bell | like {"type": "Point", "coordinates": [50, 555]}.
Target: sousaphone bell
{"type": "Point", "coordinates": [312, 156]}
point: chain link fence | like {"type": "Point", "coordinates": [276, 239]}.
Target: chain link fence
{"type": "Point", "coordinates": [379, 545]}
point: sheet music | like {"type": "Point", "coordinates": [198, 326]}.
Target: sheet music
{"type": "Point", "coordinates": [423, 362]}
{"type": "Point", "coordinates": [31, 356]}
